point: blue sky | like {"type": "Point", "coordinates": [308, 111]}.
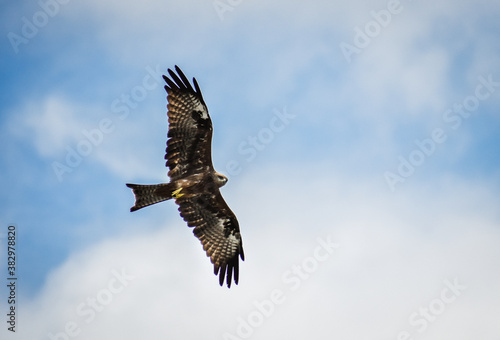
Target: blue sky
{"type": "Point", "coordinates": [369, 125]}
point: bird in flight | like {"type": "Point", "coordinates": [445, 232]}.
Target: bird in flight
{"type": "Point", "coordinates": [194, 184]}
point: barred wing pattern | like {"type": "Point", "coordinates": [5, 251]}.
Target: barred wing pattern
{"type": "Point", "coordinates": [217, 228]}
{"type": "Point", "coordinates": [188, 153]}
{"type": "Point", "coordinates": [189, 149]}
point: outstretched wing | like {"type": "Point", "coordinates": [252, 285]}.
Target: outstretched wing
{"type": "Point", "coordinates": [190, 128]}
{"type": "Point", "coordinates": [216, 226]}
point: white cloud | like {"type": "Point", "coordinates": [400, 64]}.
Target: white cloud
{"type": "Point", "coordinates": [402, 70]}
{"type": "Point", "coordinates": [397, 251]}
{"type": "Point", "coordinates": [59, 127]}
{"type": "Point", "coordinates": [52, 123]}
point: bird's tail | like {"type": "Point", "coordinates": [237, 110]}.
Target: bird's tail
{"type": "Point", "coordinates": [150, 194]}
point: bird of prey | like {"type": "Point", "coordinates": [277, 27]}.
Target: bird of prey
{"type": "Point", "coordinates": [194, 184]}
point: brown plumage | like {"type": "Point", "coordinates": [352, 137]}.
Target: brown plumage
{"type": "Point", "coordinates": [193, 181]}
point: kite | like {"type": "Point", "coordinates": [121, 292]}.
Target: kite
{"type": "Point", "coordinates": [194, 184]}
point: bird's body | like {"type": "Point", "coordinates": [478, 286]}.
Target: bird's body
{"type": "Point", "coordinates": [194, 184]}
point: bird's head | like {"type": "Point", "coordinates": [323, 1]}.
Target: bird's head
{"type": "Point", "coordinates": [220, 179]}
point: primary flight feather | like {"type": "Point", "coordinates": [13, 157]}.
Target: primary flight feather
{"type": "Point", "coordinates": [194, 184]}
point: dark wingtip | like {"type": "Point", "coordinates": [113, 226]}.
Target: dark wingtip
{"type": "Point", "coordinates": [222, 275]}
{"type": "Point", "coordinates": [197, 88]}
{"type": "Point", "coordinates": [170, 84]}
{"type": "Point", "coordinates": [179, 81]}
{"type": "Point", "coordinates": [236, 271]}
{"type": "Point", "coordinates": [228, 272]}
{"type": "Point", "coordinates": [172, 73]}
{"type": "Point", "coordinates": [229, 276]}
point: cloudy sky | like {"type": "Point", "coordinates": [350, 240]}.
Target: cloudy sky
{"type": "Point", "coordinates": [360, 140]}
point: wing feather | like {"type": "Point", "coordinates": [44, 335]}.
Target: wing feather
{"type": "Point", "coordinates": [189, 141]}
{"type": "Point", "coordinates": [216, 226]}
{"type": "Point", "coordinates": [188, 153]}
